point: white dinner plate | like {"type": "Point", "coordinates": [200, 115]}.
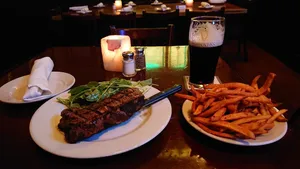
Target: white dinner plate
{"type": "Point", "coordinates": [155, 4]}
{"type": "Point", "coordinates": [138, 130]}
{"type": "Point", "coordinates": [13, 91]}
{"type": "Point", "coordinates": [130, 4]}
{"type": "Point", "coordinates": [97, 6]}
{"type": "Point", "coordinates": [124, 11]}
{"type": "Point", "coordinates": [160, 10]}
{"type": "Point", "coordinates": [84, 12]}
{"type": "Point", "coordinates": [209, 7]}
{"type": "Point", "coordinates": [275, 134]}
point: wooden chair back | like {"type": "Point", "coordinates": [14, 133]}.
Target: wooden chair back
{"type": "Point", "coordinates": [213, 12]}
{"type": "Point", "coordinates": [79, 30]}
{"type": "Point", "coordinates": [160, 19]}
{"type": "Point", "coordinates": [124, 20]}
{"type": "Point", "coordinates": [147, 36]}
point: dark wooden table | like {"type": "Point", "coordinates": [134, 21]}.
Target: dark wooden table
{"type": "Point", "coordinates": [178, 146]}
{"type": "Point", "coordinates": [229, 9]}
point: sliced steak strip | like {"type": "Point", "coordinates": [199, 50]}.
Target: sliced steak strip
{"type": "Point", "coordinates": [78, 124]}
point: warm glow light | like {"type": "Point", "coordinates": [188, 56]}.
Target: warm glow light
{"type": "Point", "coordinates": [189, 2]}
{"type": "Point", "coordinates": [118, 4]}
{"type": "Point", "coordinates": [155, 57]}
{"type": "Point", "coordinates": [112, 47]}
{"type": "Point", "coordinates": [178, 57]}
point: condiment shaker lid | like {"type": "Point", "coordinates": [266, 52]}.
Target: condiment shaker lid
{"type": "Point", "coordinates": [127, 55]}
{"type": "Point", "coordinates": [139, 49]}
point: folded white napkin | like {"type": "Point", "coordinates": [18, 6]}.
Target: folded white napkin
{"type": "Point", "coordinates": [127, 9]}
{"type": "Point", "coordinates": [99, 5]}
{"type": "Point", "coordinates": [84, 10]}
{"type": "Point", "coordinates": [78, 8]}
{"type": "Point", "coordinates": [131, 3]}
{"type": "Point", "coordinates": [38, 78]}
{"type": "Point", "coordinates": [205, 4]}
{"type": "Point", "coordinates": [163, 7]}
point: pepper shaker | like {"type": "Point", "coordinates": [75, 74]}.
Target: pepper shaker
{"type": "Point", "coordinates": [128, 64]}
{"type": "Point", "coordinates": [140, 59]}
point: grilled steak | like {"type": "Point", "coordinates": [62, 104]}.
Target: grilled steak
{"type": "Point", "coordinates": [80, 123]}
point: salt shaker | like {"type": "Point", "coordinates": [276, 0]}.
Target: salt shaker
{"type": "Point", "coordinates": [128, 64]}
{"type": "Point", "coordinates": [140, 59]}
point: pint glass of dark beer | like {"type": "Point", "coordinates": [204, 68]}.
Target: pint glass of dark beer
{"type": "Point", "coordinates": [206, 37]}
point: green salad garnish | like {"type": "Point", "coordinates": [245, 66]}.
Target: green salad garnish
{"type": "Point", "coordinates": [96, 91]}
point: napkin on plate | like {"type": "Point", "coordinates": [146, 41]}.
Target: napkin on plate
{"type": "Point", "coordinates": [99, 5]}
{"type": "Point", "coordinates": [78, 8]}
{"type": "Point", "coordinates": [84, 10]}
{"type": "Point", "coordinates": [163, 7]}
{"type": "Point", "coordinates": [205, 4]}
{"type": "Point", "coordinates": [38, 78]}
{"type": "Point", "coordinates": [131, 3]}
{"type": "Point", "coordinates": [156, 2]}
{"type": "Point", "coordinates": [127, 9]}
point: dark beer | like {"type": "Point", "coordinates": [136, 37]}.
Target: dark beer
{"type": "Point", "coordinates": [206, 36]}
{"type": "Point", "coordinates": [203, 61]}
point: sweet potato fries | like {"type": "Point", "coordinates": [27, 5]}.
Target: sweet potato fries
{"type": "Point", "coordinates": [235, 110]}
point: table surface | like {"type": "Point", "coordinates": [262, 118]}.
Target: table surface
{"type": "Point", "coordinates": [229, 9]}
{"type": "Point", "coordinates": [177, 146]}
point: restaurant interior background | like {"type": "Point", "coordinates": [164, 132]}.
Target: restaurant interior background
{"type": "Point", "coordinates": [26, 27]}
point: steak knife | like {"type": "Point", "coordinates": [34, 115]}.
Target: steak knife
{"type": "Point", "coordinates": [162, 95]}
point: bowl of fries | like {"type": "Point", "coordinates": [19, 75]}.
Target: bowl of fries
{"type": "Point", "coordinates": [236, 113]}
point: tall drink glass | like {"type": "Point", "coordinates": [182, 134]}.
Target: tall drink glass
{"type": "Point", "coordinates": [206, 36]}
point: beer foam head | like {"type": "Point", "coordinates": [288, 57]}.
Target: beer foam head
{"type": "Point", "coordinates": [206, 35]}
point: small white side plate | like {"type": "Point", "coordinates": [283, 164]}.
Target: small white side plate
{"type": "Point", "coordinates": [84, 12]}
{"type": "Point", "coordinates": [130, 4]}
{"type": "Point", "coordinates": [99, 6]}
{"type": "Point", "coordinates": [13, 91]}
{"type": "Point", "coordinates": [159, 3]}
{"type": "Point", "coordinates": [160, 9]}
{"type": "Point", "coordinates": [124, 11]}
{"type": "Point", "coordinates": [209, 7]}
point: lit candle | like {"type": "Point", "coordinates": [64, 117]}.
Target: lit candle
{"type": "Point", "coordinates": [112, 47]}
{"type": "Point", "coordinates": [118, 4]}
{"type": "Point", "coordinates": [189, 2]}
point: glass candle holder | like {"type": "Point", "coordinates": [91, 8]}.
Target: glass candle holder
{"type": "Point", "coordinates": [112, 47]}
{"type": "Point", "coordinates": [189, 3]}
{"type": "Point", "coordinates": [118, 4]}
